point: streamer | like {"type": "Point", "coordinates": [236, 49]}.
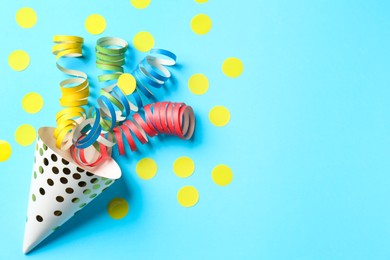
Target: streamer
{"type": "Point", "coordinates": [75, 90]}
{"type": "Point", "coordinates": [159, 118]}
{"type": "Point", "coordinates": [151, 73]}
{"type": "Point", "coordinates": [110, 56]}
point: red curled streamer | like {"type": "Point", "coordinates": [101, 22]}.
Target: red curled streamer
{"type": "Point", "coordinates": [79, 155]}
{"type": "Point", "coordinates": [159, 118]}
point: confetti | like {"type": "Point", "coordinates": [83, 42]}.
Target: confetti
{"type": "Point", "coordinates": [219, 116]}
{"type": "Point", "coordinates": [5, 151]}
{"type": "Point", "coordinates": [18, 60]}
{"type": "Point", "coordinates": [118, 208]}
{"type": "Point", "coordinates": [188, 196]}
{"type": "Point", "coordinates": [201, 24]}
{"type": "Point", "coordinates": [143, 41]}
{"type": "Point", "coordinates": [184, 167]}
{"type": "Point", "coordinates": [95, 24]}
{"type": "Point", "coordinates": [232, 67]}
{"type": "Point", "coordinates": [26, 17]}
{"type": "Point", "coordinates": [32, 103]}
{"type": "Point", "coordinates": [146, 168]}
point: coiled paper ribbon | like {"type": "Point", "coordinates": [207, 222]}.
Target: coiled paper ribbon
{"type": "Point", "coordinates": [110, 56]}
{"type": "Point", "coordinates": [75, 90]}
{"type": "Point", "coordinates": [159, 118]}
{"type": "Point", "coordinates": [151, 72]}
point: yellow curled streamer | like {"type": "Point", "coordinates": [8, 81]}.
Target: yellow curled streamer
{"type": "Point", "coordinates": [75, 90]}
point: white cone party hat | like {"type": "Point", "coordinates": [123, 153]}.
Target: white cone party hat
{"type": "Point", "coordinates": [59, 188]}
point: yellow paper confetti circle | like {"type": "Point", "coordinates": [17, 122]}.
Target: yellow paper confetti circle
{"type": "Point", "coordinates": [188, 196]}
{"type": "Point", "coordinates": [219, 116]}
{"type": "Point", "coordinates": [198, 84]}
{"type": "Point", "coordinates": [201, 24]}
{"type": "Point", "coordinates": [146, 168]}
{"type": "Point", "coordinates": [127, 83]}
{"type": "Point", "coordinates": [222, 175]}
{"type": "Point", "coordinates": [140, 4]}
{"type": "Point", "coordinates": [201, 1]}
{"type": "Point", "coordinates": [5, 151]}
{"type": "Point", "coordinates": [95, 24]}
{"type": "Point", "coordinates": [118, 208]}
{"type": "Point", "coordinates": [232, 67]}
{"type": "Point", "coordinates": [25, 135]}
{"type": "Point", "coordinates": [18, 60]}
{"type": "Point", "coordinates": [32, 103]}
{"type": "Point", "coordinates": [143, 41]}
{"type": "Point", "coordinates": [184, 167]}
{"type": "Point", "coordinates": [26, 17]}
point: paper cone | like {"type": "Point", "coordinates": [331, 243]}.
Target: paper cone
{"type": "Point", "coordinates": [59, 188]}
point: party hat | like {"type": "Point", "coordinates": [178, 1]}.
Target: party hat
{"type": "Point", "coordinates": [59, 188]}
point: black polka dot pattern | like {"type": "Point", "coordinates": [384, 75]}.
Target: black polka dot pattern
{"type": "Point", "coordinates": [46, 161]}
{"type": "Point", "coordinates": [62, 185]}
{"type": "Point", "coordinates": [39, 218]}
{"type": "Point", "coordinates": [63, 180]}
{"type": "Point", "coordinates": [66, 171]}
{"type": "Point", "coordinates": [69, 190]}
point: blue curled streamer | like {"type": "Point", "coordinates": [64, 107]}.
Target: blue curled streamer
{"type": "Point", "coordinates": [148, 74]}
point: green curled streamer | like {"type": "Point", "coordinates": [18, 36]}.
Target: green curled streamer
{"type": "Point", "coordinates": [110, 56]}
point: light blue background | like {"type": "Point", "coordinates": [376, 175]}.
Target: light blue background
{"type": "Point", "coordinates": [308, 140]}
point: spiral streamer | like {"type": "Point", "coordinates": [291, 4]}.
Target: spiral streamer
{"type": "Point", "coordinates": [159, 118]}
{"type": "Point", "coordinates": [75, 90]}
{"type": "Point", "coordinates": [151, 73]}
{"type": "Point", "coordinates": [110, 56]}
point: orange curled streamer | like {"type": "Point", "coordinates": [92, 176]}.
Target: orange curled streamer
{"type": "Point", "coordinates": [159, 118]}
